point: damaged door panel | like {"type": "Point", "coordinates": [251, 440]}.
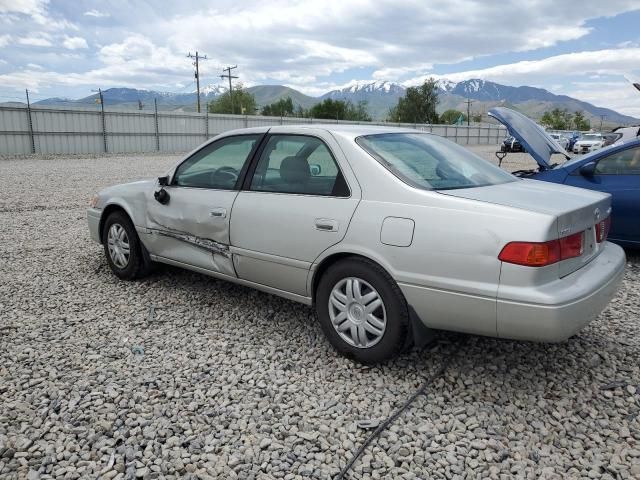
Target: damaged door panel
{"type": "Point", "coordinates": [191, 227]}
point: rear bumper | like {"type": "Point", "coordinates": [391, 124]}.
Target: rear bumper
{"type": "Point", "coordinates": [93, 219]}
{"type": "Point", "coordinates": [568, 304]}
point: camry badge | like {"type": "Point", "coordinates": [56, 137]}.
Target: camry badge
{"type": "Point", "coordinates": [596, 214]}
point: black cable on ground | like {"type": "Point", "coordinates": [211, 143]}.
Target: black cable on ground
{"type": "Point", "coordinates": [384, 425]}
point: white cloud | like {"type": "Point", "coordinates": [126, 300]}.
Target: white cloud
{"type": "Point", "coordinates": [96, 13]}
{"type": "Point", "coordinates": [25, 7]}
{"type": "Point", "coordinates": [35, 41]}
{"type": "Point", "coordinates": [4, 40]}
{"type": "Point", "coordinates": [37, 10]}
{"type": "Point", "coordinates": [74, 43]}
{"type": "Point", "coordinates": [617, 61]}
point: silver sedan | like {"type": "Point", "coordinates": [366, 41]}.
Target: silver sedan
{"type": "Point", "coordinates": [389, 233]}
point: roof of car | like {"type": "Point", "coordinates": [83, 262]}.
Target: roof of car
{"type": "Point", "coordinates": [350, 130]}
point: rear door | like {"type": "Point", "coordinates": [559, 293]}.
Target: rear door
{"type": "Point", "coordinates": [297, 201]}
{"type": "Point", "coordinates": [193, 227]}
{"type": "Point", "coordinates": [619, 175]}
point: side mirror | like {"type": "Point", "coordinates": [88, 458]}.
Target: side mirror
{"type": "Point", "coordinates": [315, 169]}
{"type": "Point", "coordinates": [163, 181]}
{"type": "Point", "coordinates": [588, 169]}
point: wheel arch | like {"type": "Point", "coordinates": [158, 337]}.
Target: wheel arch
{"type": "Point", "coordinates": [108, 210]}
{"type": "Point", "coordinates": [332, 258]}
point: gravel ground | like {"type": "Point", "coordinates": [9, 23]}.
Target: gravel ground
{"type": "Point", "coordinates": [180, 375]}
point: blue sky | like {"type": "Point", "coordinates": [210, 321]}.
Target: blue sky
{"type": "Point", "coordinates": [66, 49]}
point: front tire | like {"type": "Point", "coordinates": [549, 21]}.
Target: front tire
{"type": "Point", "coordinates": [362, 311]}
{"type": "Point", "coordinates": [125, 253]}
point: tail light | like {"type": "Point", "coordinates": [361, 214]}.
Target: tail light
{"type": "Point", "coordinates": [541, 254]}
{"type": "Point", "coordinates": [602, 229]}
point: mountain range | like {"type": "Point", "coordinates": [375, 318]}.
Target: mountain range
{"type": "Point", "coordinates": [379, 95]}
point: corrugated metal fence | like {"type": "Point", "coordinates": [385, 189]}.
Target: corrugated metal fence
{"type": "Point", "coordinates": [62, 130]}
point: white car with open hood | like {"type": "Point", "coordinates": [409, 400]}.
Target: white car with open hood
{"type": "Point", "coordinates": [388, 233]}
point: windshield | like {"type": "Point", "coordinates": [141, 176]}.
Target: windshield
{"type": "Point", "coordinates": [591, 137]}
{"type": "Point", "coordinates": [430, 162]}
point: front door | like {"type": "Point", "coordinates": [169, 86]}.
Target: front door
{"type": "Point", "coordinates": [193, 227]}
{"type": "Point", "coordinates": [619, 175]}
{"type": "Point", "coordinates": [295, 204]}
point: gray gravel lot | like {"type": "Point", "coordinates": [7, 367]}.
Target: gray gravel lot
{"type": "Point", "coordinates": [220, 381]}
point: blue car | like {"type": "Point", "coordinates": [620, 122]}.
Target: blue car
{"type": "Point", "coordinates": [614, 169]}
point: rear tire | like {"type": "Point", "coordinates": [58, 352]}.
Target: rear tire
{"type": "Point", "coordinates": [362, 311]}
{"type": "Point", "coordinates": [126, 256]}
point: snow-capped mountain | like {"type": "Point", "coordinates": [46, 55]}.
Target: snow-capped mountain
{"type": "Point", "coordinates": [366, 87]}
{"type": "Point", "coordinates": [379, 95]}
{"type": "Point", "coordinates": [484, 90]}
{"type": "Point", "coordinates": [212, 90]}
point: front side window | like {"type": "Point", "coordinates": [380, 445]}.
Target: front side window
{"type": "Point", "coordinates": [430, 162]}
{"type": "Point", "coordinates": [626, 162]}
{"type": "Point", "coordinates": [217, 165]}
{"type": "Point", "coordinates": [298, 164]}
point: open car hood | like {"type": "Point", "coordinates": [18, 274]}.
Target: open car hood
{"type": "Point", "coordinates": [533, 138]}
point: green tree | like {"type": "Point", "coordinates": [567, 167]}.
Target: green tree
{"type": "Point", "coordinates": [418, 104]}
{"type": "Point", "coordinates": [557, 119]}
{"type": "Point", "coordinates": [340, 110]}
{"type": "Point", "coordinates": [301, 112]}
{"type": "Point", "coordinates": [451, 116]}
{"type": "Point", "coordinates": [580, 122]}
{"type": "Point", "coordinates": [244, 103]}
{"type": "Point", "coordinates": [281, 108]}
{"type": "Point", "coordinates": [476, 117]}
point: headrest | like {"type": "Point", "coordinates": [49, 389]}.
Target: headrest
{"type": "Point", "coordinates": [294, 170]}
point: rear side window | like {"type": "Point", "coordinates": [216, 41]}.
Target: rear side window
{"type": "Point", "coordinates": [298, 164]}
{"type": "Point", "coordinates": [217, 165]}
{"type": "Point", "coordinates": [431, 162]}
{"type": "Point", "coordinates": [626, 162]}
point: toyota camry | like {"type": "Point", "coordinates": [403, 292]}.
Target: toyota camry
{"type": "Point", "coordinates": [388, 233]}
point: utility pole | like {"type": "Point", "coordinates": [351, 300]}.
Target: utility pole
{"type": "Point", "coordinates": [33, 142]}
{"type": "Point", "coordinates": [468, 102]}
{"type": "Point", "coordinates": [602, 117]}
{"type": "Point", "coordinates": [100, 100]}
{"type": "Point", "coordinates": [197, 57]}
{"type": "Point", "coordinates": [229, 76]}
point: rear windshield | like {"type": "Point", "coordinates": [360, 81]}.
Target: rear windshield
{"type": "Point", "coordinates": [430, 162]}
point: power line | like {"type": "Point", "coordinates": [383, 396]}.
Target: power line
{"type": "Point", "coordinates": [229, 76]}
{"type": "Point", "coordinates": [197, 57]}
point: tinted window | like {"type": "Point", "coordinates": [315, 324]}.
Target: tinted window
{"type": "Point", "coordinates": [626, 162]}
{"type": "Point", "coordinates": [431, 162]}
{"type": "Point", "coordinates": [217, 165]}
{"type": "Point", "coordinates": [298, 164]}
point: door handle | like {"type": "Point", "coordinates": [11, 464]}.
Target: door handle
{"type": "Point", "coordinates": [326, 225]}
{"type": "Point", "coordinates": [218, 212]}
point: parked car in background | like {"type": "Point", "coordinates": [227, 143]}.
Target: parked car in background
{"type": "Point", "coordinates": [627, 133]}
{"type": "Point", "coordinates": [384, 231]}
{"type": "Point", "coordinates": [611, 138]}
{"type": "Point", "coordinates": [511, 144]}
{"type": "Point", "coordinates": [573, 138]}
{"type": "Point", "coordinates": [614, 169]}
{"type": "Point", "coordinates": [588, 143]}
{"type": "Point", "coordinates": [561, 139]}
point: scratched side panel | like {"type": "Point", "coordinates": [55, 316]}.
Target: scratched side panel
{"type": "Point", "coordinates": [185, 230]}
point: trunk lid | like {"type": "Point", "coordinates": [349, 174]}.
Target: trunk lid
{"type": "Point", "coordinates": [576, 210]}
{"type": "Point", "coordinates": [532, 136]}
